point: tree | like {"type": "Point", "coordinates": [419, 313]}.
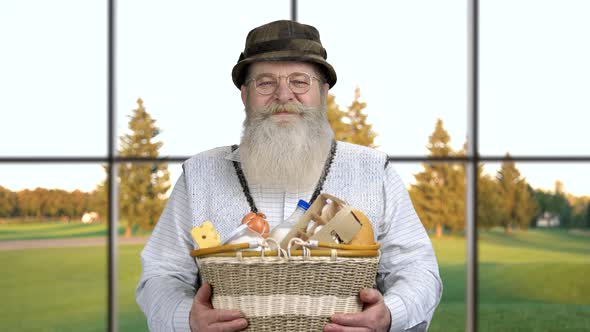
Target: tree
{"type": "Point", "coordinates": [489, 198]}
{"type": "Point", "coordinates": [426, 197]}
{"type": "Point", "coordinates": [508, 178]}
{"type": "Point", "coordinates": [555, 203]}
{"type": "Point", "coordinates": [439, 192]}
{"type": "Point", "coordinates": [526, 205]}
{"type": "Point", "coordinates": [143, 186]}
{"type": "Point", "coordinates": [560, 204]}
{"type": "Point", "coordinates": [578, 206]}
{"type": "Point", "coordinates": [455, 197]}
{"type": "Point", "coordinates": [350, 126]}
{"type": "Point", "coordinates": [517, 203]}
{"type": "Point", "coordinates": [335, 118]}
{"type": "Point", "coordinates": [42, 203]}
{"type": "Point", "coordinates": [7, 202]}
{"type": "Point", "coordinates": [98, 200]}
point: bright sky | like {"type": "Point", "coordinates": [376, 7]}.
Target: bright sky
{"type": "Point", "coordinates": [408, 57]}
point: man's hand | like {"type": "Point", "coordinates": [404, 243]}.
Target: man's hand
{"type": "Point", "coordinates": [374, 317]}
{"type": "Point", "coordinates": [203, 317]}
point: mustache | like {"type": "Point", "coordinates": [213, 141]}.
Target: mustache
{"type": "Point", "coordinates": [277, 108]}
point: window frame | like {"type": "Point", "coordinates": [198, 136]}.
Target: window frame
{"type": "Point", "coordinates": [471, 160]}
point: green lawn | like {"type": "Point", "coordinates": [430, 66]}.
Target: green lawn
{"type": "Point", "coordinates": [64, 289]}
{"type": "Point", "coordinates": [531, 281]}
{"type": "Point", "coordinates": [56, 230]}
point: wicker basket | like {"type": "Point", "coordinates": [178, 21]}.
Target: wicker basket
{"type": "Point", "coordinates": [295, 293]}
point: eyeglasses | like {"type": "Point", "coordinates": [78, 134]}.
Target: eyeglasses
{"type": "Point", "coordinates": [267, 84]}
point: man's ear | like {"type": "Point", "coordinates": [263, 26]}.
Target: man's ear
{"type": "Point", "coordinates": [326, 88]}
{"type": "Point", "coordinates": [244, 93]}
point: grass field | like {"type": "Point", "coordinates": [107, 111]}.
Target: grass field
{"type": "Point", "coordinates": [531, 281]}
{"type": "Point", "coordinates": [56, 230]}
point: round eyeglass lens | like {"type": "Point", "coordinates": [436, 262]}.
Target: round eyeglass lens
{"type": "Point", "coordinates": [299, 82]}
{"type": "Point", "coordinates": [266, 83]}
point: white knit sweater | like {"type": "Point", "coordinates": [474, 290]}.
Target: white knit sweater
{"type": "Point", "coordinates": [215, 194]}
{"type": "Point", "coordinates": [209, 189]}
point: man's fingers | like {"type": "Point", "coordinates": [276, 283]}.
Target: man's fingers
{"type": "Point", "coordinates": [223, 315]}
{"type": "Point", "coordinates": [331, 327]}
{"type": "Point", "coordinates": [234, 325]}
{"type": "Point", "coordinates": [370, 296]}
{"type": "Point", "coordinates": [355, 319]}
{"type": "Point", "coordinates": [204, 295]}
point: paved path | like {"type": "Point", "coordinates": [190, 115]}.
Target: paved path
{"type": "Point", "coordinates": [63, 243]}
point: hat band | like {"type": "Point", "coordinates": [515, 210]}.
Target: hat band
{"type": "Point", "coordinates": [300, 45]}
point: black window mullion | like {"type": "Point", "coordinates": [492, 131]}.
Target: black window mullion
{"type": "Point", "coordinates": [112, 200]}
{"type": "Point", "coordinates": [471, 174]}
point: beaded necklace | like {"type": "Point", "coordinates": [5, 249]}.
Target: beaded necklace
{"type": "Point", "coordinates": [316, 192]}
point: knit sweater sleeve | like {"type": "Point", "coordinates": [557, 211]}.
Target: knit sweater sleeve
{"type": "Point", "coordinates": [408, 273]}
{"type": "Point", "coordinates": [167, 285]}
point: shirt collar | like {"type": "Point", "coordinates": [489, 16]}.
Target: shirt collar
{"type": "Point", "coordinates": [234, 155]}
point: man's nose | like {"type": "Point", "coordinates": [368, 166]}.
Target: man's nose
{"type": "Point", "coordinates": [283, 93]}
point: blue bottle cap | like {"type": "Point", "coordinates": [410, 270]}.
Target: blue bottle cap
{"type": "Point", "coordinates": [303, 204]}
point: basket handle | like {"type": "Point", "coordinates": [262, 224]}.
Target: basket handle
{"type": "Point", "coordinates": [304, 246]}
{"type": "Point", "coordinates": [224, 248]}
{"type": "Point", "coordinates": [315, 244]}
{"type": "Point", "coordinates": [266, 244]}
{"type": "Point", "coordinates": [318, 244]}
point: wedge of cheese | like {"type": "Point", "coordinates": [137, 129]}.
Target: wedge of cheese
{"type": "Point", "coordinates": [206, 236]}
{"type": "Point", "coordinates": [365, 236]}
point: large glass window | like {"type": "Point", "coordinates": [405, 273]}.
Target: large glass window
{"type": "Point", "coordinates": [533, 246]}
{"type": "Point", "coordinates": [178, 57]}
{"type": "Point", "coordinates": [535, 78]}
{"type": "Point", "coordinates": [409, 64]}
{"type": "Point", "coordinates": [53, 78]}
{"type": "Point", "coordinates": [52, 250]}
{"type": "Point", "coordinates": [134, 230]}
{"type": "Point", "coordinates": [407, 61]}
{"type": "Point", "coordinates": [446, 230]}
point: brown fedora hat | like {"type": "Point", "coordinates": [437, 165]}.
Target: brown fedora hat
{"type": "Point", "coordinates": [283, 41]}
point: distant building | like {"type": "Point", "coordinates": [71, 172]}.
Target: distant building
{"type": "Point", "coordinates": [548, 219]}
{"type": "Point", "coordinates": [90, 217]}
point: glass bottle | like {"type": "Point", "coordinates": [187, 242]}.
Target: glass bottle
{"type": "Point", "coordinates": [281, 230]}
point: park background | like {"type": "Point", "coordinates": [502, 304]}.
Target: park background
{"type": "Point", "coordinates": [402, 87]}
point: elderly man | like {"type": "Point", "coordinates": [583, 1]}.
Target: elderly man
{"type": "Point", "coordinates": [287, 152]}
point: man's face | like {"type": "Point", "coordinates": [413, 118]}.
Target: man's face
{"type": "Point", "coordinates": [286, 135]}
{"type": "Point", "coordinates": [283, 95]}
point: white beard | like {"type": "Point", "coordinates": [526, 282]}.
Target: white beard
{"type": "Point", "coordinates": [285, 151]}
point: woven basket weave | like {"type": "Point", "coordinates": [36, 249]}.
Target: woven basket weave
{"type": "Point", "coordinates": [295, 294]}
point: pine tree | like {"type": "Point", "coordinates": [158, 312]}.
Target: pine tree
{"type": "Point", "coordinates": [455, 196]}
{"type": "Point", "coordinates": [335, 118]}
{"type": "Point", "coordinates": [98, 200]}
{"type": "Point", "coordinates": [578, 205]}
{"type": "Point", "coordinates": [426, 197]}
{"type": "Point", "coordinates": [455, 190]}
{"type": "Point", "coordinates": [142, 185]}
{"type": "Point", "coordinates": [561, 205]}
{"type": "Point", "coordinates": [439, 192]}
{"type": "Point", "coordinates": [489, 198]}
{"type": "Point", "coordinates": [526, 205]}
{"type": "Point", "coordinates": [360, 132]}
{"type": "Point", "coordinates": [7, 202]}
{"type": "Point", "coordinates": [351, 125]}
{"type": "Point", "coordinates": [508, 177]}
{"type": "Point", "coordinates": [517, 204]}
